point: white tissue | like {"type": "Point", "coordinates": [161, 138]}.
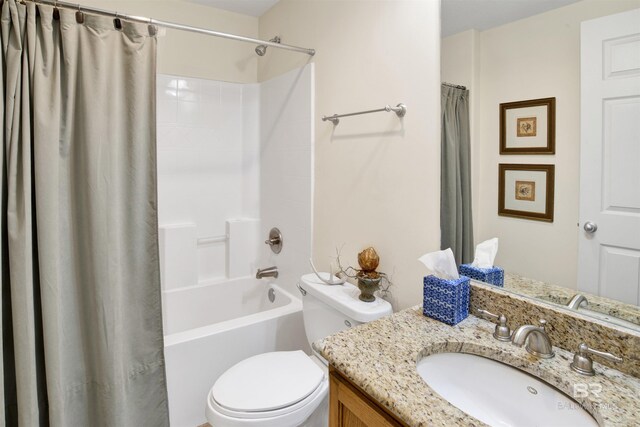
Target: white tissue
{"type": "Point", "coordinates": [486, 253]}
{"type": "Point", "coordinates": [442, 264]}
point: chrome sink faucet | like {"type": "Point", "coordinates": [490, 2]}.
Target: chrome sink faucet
{"type": "Point", "coordinates": [267, 272]}
{"type": "Point", "coordinates": [536, 338]}
{"type": "Point", "coordinates": [577, 301]}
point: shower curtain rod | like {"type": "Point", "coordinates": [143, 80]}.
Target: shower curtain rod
{"type": "Point", "coordinates": [171, 25]}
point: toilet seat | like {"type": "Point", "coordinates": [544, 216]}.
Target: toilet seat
{"type": "Point", "coordinates": [270, 389]}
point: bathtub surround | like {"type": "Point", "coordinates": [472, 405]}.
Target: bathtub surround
{"type": "Point", "coordinates": [286, 171]}
{"type": "Point", "coordinates": [242, 248]}
{"type": "Point", "coordinates": [81, 314]}
{"type": "Point", "coordinates": [178, 255]}
{"type": "Point", "coordinates": [234, 161]}
{"type": "Point", "coordinates": [208, 171]}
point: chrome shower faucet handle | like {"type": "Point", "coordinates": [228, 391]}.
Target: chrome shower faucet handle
{"type": "Point", "coordinates": [502, 331]}
{"type": "Point", "coordinates": [275, 240]}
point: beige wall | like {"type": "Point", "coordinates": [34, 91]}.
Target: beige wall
{"type": "Point", "coordinates": [532, 58]}
{"type": "Point", "coordinates": [376, 177]}
{"type": "Point", "coordinates": [195, 55]}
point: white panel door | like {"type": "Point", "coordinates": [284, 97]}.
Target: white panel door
{"type": "Point", "coordinates": [609, 242]}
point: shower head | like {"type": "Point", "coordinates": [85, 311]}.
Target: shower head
{"type": "Point", "coordinates": [262, 49]}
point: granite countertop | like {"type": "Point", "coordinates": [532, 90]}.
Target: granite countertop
{"type": "Point", "coordinates": [380, 357]}
{"type": "Point", "coordinates": [561, 296]}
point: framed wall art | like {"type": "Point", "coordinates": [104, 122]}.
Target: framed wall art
{"type": "Point", "coordinates": [528, 127]}
{"type": "Point", "coordinates": [526, 191]}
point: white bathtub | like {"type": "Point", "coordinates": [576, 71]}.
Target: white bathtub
{"type": "Point", "coordinates": [211, 327]}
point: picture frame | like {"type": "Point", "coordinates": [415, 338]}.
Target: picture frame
{"type": "Point", "coordinates": [528, 127]}
{"type": "Point", "coordinates": [526, 191]}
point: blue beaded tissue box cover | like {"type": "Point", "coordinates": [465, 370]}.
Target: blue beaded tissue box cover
{"type": "Point", "coordinates": [446, 300]}
{"type": "Point", "coordinates": [493, 275]}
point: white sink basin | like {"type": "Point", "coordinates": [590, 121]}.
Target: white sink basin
{"type": "Point", "coordinates": [498, 394]}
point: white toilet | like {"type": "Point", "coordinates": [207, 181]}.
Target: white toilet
{"type": "Point", "coordinates": [290, 388]}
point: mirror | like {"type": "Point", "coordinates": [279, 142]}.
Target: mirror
{"type": "Point", "coordinates": [505, 54]}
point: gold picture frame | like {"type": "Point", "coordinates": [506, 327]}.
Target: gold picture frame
{"type": "Point", "coordinates": [528, 127]}
{"type": "Point", "coordinates": [526, 191]}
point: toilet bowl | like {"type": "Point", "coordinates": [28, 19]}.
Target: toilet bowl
{"type": "Point", "coordinates": [272, 389]}
{"type": "Point", "coordinates": [290, 388]}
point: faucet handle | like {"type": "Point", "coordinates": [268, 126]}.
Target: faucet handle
{"type": "Point", "coordinates": [542, 323]}
{"type": "Point", "coordinates": [583, 364]}
{"type": "Point", "coordinates": [502, 331]}
{"type": "Point", "coordinates": [488, 313]}
{"type": "Point", "coordinates": [275, 240]}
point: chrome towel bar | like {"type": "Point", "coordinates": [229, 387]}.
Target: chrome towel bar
{"type": "Point", "coordinates": [399, 109]}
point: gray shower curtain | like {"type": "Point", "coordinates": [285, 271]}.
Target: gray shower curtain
{"type": "Point", "coordinates": [456, 223]}
{"type": "Point", "coordinates": [82, 341]}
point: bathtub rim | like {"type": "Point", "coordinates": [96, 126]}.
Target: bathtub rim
{"type": "Point", "coordinates": [294, 305]}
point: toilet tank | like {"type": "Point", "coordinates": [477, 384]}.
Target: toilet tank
{"type": "Point", "coordinates": [328, 309]}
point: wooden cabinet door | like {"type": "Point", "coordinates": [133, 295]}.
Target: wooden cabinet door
{"type": "Point", "coordinates": [351, 408]}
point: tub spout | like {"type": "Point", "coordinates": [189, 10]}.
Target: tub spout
{"type": "Point", "coordinates": [267, 272]}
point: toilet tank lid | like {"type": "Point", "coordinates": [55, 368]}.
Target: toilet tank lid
{"type": "Point", "coordinates": [344, 298]}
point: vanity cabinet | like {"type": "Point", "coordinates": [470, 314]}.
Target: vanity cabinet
{"type": "Point", "coordinates": [350, 407]}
